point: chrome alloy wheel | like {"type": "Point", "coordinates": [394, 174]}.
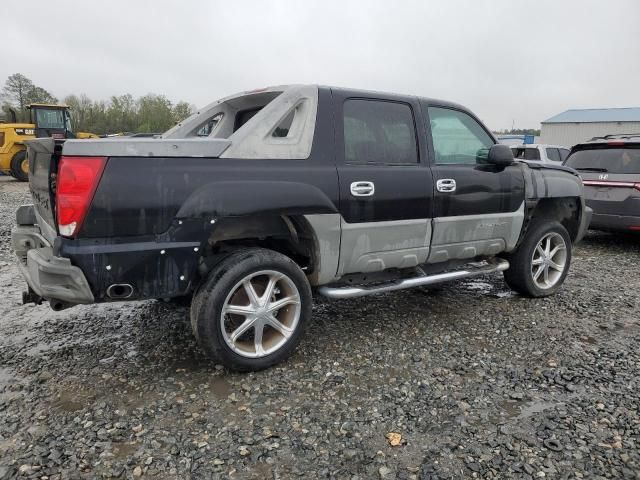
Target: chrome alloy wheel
{"type": "Point", "coordinates": [260, 313]}
{"type": "Point", "coordinates": [549, 260]}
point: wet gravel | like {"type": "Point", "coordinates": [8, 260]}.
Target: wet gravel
{"type": "Point", "coordinates": [476, 381]}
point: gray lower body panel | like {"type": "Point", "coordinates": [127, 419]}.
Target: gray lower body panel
{"type": "Point", "coordinates": [469, 236]}
{"type": "Point", "coordinates": [376, 246]}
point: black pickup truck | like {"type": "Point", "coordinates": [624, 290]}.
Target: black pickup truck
{"type": "Point", "coordinates": [261, 197]}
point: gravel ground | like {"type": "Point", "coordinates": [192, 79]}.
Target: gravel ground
{"type": "Point", "coordinates": [478, 383]}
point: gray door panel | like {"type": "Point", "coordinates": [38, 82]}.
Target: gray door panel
{"type": "Point", "coordinates": [468, 236]}
{"type": "Point", "coordinates": [375, 246]}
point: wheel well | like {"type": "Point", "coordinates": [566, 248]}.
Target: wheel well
{"type": "Point", "coordinates": [290, 235]}
{"type": "Point", "coordinates": [565, 210]}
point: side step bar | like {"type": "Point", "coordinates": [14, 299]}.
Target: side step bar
{"type": "Point", "coordinates": [495, 265]}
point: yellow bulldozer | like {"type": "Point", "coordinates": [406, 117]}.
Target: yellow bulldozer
{"type": "Point", "coordinates": [46, 121]}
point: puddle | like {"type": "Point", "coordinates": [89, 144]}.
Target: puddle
{"type": "Point", "coordinates": [6, 377]}
{"type": "Point", "coordinates": [478, 286]}
{"type": "Point", "coordinates": [589, 340]}
{"type": "Point", "coordinates": [530, 409]}
{"type": "Point", "coordinates": [512, 409]}
{"type": "Point", "coordinates": [220, 387]}
{"type": "Point", "coordinates": [8, 384]}
{"type": "Point", "coordinates": [68, 401]}
{"type": "Point", "coordinates": [123, 450]}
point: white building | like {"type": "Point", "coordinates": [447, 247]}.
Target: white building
{"type": "Point", "coordinates": [575, 126]}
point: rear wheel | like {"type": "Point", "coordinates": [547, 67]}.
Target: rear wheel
{"type": "Point", "coordinates": [541, 263]}
{"type": "Point", "coordinates": [252, 310]}
{"type": "Point", "coordinates": [20, 166]}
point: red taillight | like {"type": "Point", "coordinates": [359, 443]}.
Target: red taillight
{"type": "Point", "coordinates": [76, 182]}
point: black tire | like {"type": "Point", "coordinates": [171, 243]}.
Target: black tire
{"type": "Point", "coordinates": [16, 166]}
{"type": "Point", "coordinates": [208, 302]}
{"type": "Point", "coordinates": [520, 275]}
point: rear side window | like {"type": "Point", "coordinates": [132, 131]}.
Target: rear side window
{"type": "Point", "coordinates": [379, 132]}
{"type": "Point", "coordinates": [553, 154]}
{"type": "Point", "coordinates": [612, 160]}
{"type": "Point", "coordinates": [457, 137]}
{"type": "Point", "coordinates": [564, 153]}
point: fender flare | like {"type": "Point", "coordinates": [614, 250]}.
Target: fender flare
{"type": "Point", "coordinates": [562, 186]}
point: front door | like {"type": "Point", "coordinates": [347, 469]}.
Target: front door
{"type": "Point", "coordinates": [478, 207]}
{"type": "Point", "coordinates": [385, 184]}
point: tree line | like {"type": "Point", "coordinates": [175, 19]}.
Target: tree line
{"type": "Point", "coordinates": [121, 113]}
{"type": "Point", "coordinates": [519, 131]}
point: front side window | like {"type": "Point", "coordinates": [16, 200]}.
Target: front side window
{"type": "Point", "coordinates": [553, 154]}
{"type": "Point", "coordinates": [457, 137]}
{"type": "Point", "coordinates": [564, 153]}
{"type": "Point", "coordinates": [379, 132]}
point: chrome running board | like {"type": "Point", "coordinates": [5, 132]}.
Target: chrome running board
{"type": "Point", "coordinates": [496, 265]}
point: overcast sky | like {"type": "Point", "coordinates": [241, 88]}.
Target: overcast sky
{"type": "Point", "coordinates": [509, 60]}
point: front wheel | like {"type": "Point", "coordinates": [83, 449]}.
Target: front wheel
{"type": "Point", "coordinates": [20, 166]}
{"type": "Point", "coordinates": [541, 263]}
{"type": "Point", "coordinates": [251, 311]}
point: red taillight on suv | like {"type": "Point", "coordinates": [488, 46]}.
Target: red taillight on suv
{"type": "Point", "coordinates": [76, 182]}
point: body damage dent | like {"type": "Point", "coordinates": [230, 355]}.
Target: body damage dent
{"type": "Point", "coordinates": [220, 199]}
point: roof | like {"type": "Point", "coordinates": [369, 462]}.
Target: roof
{"type": "Point", "coordinates": [50, 105]}
{"type": "Point", "coordinates": [538, 145]}
{"type": "Point", "coordinates": [614, 140]}
{"type": "Point", "coordinates": [594, 115]}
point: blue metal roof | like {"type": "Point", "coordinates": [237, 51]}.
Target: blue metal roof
{"type": "Point", "coordinates": [590, 115]}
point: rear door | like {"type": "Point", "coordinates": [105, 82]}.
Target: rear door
{"type": "Point", "coordinates": [478, 208]}
{"type": "Point", "coordinates": [385, 184]}
{"type": "Point", "coordinates": [611, 177]}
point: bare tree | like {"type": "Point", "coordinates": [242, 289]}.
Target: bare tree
{"type": "Point", "coordinates": [16, 90]}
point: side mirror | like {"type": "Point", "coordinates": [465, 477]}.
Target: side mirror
{"type": "Point", "coordinates": [500, 154]}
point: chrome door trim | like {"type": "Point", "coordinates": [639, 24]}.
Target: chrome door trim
{"type": "Point", "coordinates": [446, 185]}
{"type": "Point", "coordinates": [362, 189]}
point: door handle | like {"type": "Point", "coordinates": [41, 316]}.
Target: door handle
{"type": "Point", "coordinates": [362, 189]}
{"type": "Point", "coordinates": [446, 185]}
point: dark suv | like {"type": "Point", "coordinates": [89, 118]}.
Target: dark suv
{"type": "Point", "coordinates": [610, 171]}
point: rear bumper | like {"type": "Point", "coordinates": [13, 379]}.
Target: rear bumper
{"type": "Point", "coordinates": [614, 222]}
{"type": "Point", "coordinates": [50, 277]}
{"type": "Point", "coordinates": [86, 271]}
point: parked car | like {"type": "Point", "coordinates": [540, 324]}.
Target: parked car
{"type": "Point", "coordinates": [348, 192]}
{"type": "Point", "coordinates": [610, 170]}
{"type": "Point", "coordinates": [534, 152]}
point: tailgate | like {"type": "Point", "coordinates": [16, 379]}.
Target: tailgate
{"type": "Point", "coordinates": [612, 194]}
{"type": "Point", "coordinates": [43, 156]}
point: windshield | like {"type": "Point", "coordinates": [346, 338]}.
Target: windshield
{"type": "Point", "coordinates": [50, 118]}
{"type": "Point", "coordinates": [612, 160]}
